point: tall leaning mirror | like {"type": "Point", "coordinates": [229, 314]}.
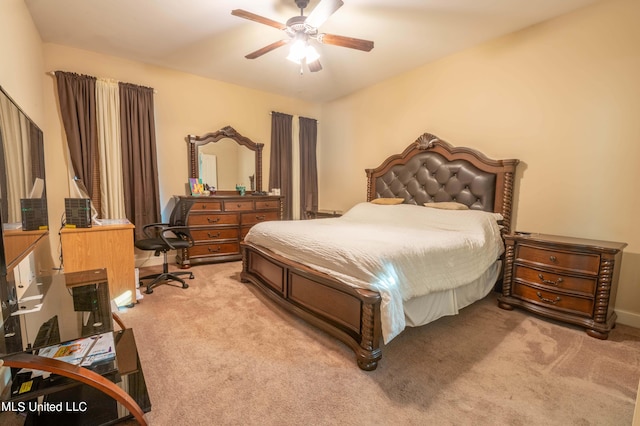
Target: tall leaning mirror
{"type": "Point", "coordinates": [22, 177]}
{"type": "Point", "coordinates": [225, 159]}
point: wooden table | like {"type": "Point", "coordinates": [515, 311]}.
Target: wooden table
{"type": "Point", "coordinates": [103, 246]}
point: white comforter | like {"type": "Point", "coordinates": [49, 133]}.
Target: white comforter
{"type": "Point", "coordinates": [401, 251]}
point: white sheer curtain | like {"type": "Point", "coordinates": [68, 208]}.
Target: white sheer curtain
{"type": "Point", "coordinates": [295, 168]}
{"type": "Point", "coordinates": [110, 154]}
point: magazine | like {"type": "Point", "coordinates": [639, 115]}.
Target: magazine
{"type": "Point", "coordinates": [84, 351]}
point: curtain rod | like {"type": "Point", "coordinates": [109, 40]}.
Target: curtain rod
{"type": "Point", "coordinates": [293, 115]}
{"type": "Point", "coordinates": [53, 74]}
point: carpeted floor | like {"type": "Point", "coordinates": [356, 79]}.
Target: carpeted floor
{"type": "Point", "coordinates": [220, 353]}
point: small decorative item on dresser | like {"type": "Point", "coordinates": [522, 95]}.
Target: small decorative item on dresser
{"type": "Point", "coordinates": [567, 279]}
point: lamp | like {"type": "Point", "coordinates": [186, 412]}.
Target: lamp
{"type": "Point", "coordinates": [300, 49]}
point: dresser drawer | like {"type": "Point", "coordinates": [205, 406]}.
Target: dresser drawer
{"type": "Point", "coordinates": [209, 206]}
{"type": "Point", "coordinates": [214, 249]}
{"type": "Point", "coordinates": [214, 234]}
{"type": "Point", "coordinates": [266, 205]}
{"type": "Point", "coordinates": [577, 305]}
{"type": "Point", "coordinates": [212, 219]}
{"type": "Point", "coordinates": [578, 262]}
{"type": "Point", "coordinates": [236, 206]}
{"type": "Point", "coordinates": [549, 279]}
{"type": "Point", "coordinates": [253, 218]}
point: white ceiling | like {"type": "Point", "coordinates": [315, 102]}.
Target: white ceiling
{"type": "Point", "coordinates": [202, 37]}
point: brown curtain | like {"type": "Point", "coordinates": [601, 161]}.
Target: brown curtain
{"type": "Point", "coordinates": [77, 97]}
{"type": "Point", "coordinates": [280, 174]}
{"type": "Point", "coordinates": [308, 166]}
{"type": "Point", "coordinates": [139, 164]}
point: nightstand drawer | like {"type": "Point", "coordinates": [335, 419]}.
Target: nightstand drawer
{"type": "Point", "coordinates": [579, 262]}
{"type": "Point", "coordinates": [578, 305]}
{"type": "Point", "coordinates": [549, 279]}
{"type": "Point", "coordinates": [213, 219]}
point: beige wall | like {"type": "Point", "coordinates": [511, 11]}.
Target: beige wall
{"type": "Point", "coordinates": [562, 96]}
{"type": "Point", "coordinates": [22, 63]}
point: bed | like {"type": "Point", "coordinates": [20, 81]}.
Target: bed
{"type": "Point", "coordinates": [367, 275]}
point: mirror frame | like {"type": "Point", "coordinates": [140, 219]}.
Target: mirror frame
{"type": "Point", "coordinates": [226, 132]}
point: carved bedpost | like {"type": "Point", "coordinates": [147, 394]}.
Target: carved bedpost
{"type": "Point", "coordinates": [603, 291]}
{"type": "Point", "coordinates": [508, 272]}
{"type": "Point", "coordinates": [507, 201]}
{"type": "Point", "coordinates": [369, 183]}
{"type": "Point", "coordinates": [369, 353]}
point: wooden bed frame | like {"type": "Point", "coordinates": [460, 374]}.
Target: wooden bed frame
{"type": "Point", "coordinates": [429, 170]}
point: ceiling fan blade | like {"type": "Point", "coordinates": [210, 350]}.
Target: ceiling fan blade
{"type": "Point", "coordinates": [266, 49]}
{"type": "Point", "coordinates": [314, 66]}
{"type": "Point", "coordinates": [322, 11]}
{"type": "Point", "coordinates": [352, 43]}
{"type": "Point", "coordinates": [257, 18]}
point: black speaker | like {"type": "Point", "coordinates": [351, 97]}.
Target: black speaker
{"type": "Point", "coordinates": [34, 214]}
{"type": "Point", "coordinates": [77, 212]}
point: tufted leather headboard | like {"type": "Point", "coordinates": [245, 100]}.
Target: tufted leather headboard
{"type": "Point", "coordinates": [431, 170]}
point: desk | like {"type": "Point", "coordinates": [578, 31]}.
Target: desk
{"type": "Point", "coordinates": [108, 389]}
{"type": "Point", "coordinates": [103, 246]}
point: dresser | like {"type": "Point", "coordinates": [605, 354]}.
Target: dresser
{"type": "Point", "coordinates": [567, 279]}
{"type": "Point", "coordinates": [219, 223]}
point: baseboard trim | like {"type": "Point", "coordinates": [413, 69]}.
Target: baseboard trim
{"type": "Point", "coordinates": [632, 319]}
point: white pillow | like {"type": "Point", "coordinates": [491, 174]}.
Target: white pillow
{"type": "Point", "coordinates": [447, 205]}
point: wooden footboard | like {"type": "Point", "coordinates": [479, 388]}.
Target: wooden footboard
{"type": "Point", "coordinates": [347, 313]}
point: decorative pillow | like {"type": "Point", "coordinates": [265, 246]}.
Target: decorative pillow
{"type": "Point", "coordinates": [388, 201]}
{"type": "Point", "coordinates": [447, 205]}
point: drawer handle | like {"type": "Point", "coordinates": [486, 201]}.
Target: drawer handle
{"type": "Point", "coordinates": [544, 299]}
{"type": "Point", "coordinates": [216, 235]}
{"type": "Point", "coordinates": [553, 258]}
{"type": "Point", "coordinates": [555, 283]}
{"type": "Point", "coordinates": [267, 205]}
{"type": "Point", "coordinates": [260, 217]}
{"type": "Point", "coordinates": [203, 206]}
{"type": "Point", "coordinates": [216, 220]}
{"type": "Point", "coordinates": [215, 250]}
{"type": "Point", "coordinates": [239, 205]}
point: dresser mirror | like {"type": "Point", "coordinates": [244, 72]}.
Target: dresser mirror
{"type": "Point", "coordinates": [22, 176]}
{"type": "Point", "coordinates": [225, 159]}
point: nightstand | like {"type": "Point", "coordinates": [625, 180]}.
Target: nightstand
{"type": "Point", "coordinates": [319, 214]}
{"type": "Point", "coordinates": [567, 279]}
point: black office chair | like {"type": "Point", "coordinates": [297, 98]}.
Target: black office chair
{"type": "Point", "coordinates": [162, 237]}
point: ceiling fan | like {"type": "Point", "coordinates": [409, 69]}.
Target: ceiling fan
{"type": "Point", "coordinates": [301, 29]}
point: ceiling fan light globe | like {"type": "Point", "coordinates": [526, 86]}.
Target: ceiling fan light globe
{"type": "Point", "coordinates": [312, 54]}
{"type": "Point", "coordinates": [298, 51]}
{"type": "Point", "coordinates": [294, 59]}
